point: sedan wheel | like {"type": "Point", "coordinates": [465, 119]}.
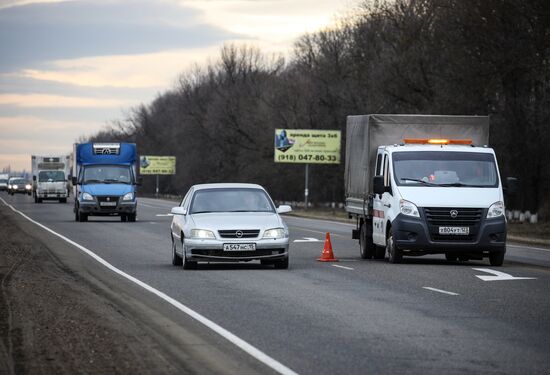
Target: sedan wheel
{"type": "Point", "coordinates": [176, 259]}
{"type": "Point", "coordinates": [187, 265]}
{"type": "Point", "coordinates": [281, 264]}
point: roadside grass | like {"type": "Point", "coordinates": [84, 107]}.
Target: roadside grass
{"type": "Point", "coordinates": [532, 231]}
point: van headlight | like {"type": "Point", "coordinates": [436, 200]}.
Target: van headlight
{"type": "Point", "coordinates": [15, 187]}
{"type": "Point", "coordinates": [87, 197]}
{"type": "Point", "coordinates": [28, 187]}
{"type": "Point", "coordinates": [275, 233]}
{"type": "Point", "coordinates": [408, 208]}
{"type": "Point", "coordinates": [128, 197]}
{"type": "Point", "coordinates": [202, 233]}
{"type": "Point", "coordinates": [496, 210]}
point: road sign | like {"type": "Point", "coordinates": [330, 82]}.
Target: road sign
{"type": "Point", "coordinates": [307, 146]}
{"type": "Point", "coordinates": [157, 164]}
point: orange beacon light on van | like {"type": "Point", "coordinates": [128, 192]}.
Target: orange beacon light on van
{"type": "Point", "coordinates": [437, 141]}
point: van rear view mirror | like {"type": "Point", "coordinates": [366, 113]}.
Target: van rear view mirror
{"type": "Point", "coordinates": [378, 185]}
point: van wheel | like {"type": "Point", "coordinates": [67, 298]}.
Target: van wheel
{"type": "Point", "coordinates": [394, 254]}
{"type": "Point", "coordinates": [463, 258]}
{"type": "Point", "coordinates": [496, 258]}
{"type": "Point", "coordinates": [131, 218]}
{"type": "Point", "coordinates": [366, 246]}
{"type": "Point", "coordinates": [123, 218]}
{"type": "Point", "coordinates": [176, 259]}
{"type": "Point", "coordinates": [82, 217]}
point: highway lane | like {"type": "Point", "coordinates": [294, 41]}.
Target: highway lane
{"type": "Point", "coordinates": [359, 317]}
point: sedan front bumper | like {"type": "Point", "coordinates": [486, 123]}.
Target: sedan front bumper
{"type": "Point", "coordinates": [272, 249]}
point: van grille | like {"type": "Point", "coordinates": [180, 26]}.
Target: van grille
{"type": "Point", "coordinates": [465, 217]}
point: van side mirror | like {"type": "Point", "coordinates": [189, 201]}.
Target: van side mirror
{"type": "Point", "coordinates": [34, 178]}
{"type": "Point", "coordinates": [512, 186]}
{"type": "Point", "coordinates": [74, 181]}
{"type": "Point", "coordinates": [378, 185]}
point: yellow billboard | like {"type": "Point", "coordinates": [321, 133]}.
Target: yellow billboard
{"type": "Point", "coordinates": [157, 164]}
{"type": "Point", "coordinates": [307, 146]}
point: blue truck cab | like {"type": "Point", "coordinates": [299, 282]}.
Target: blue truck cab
{"type": "Point", "coordinates": [105, 181]}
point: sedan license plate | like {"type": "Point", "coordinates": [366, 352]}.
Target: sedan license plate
{"type": "Point", "coordinates": [239, 247]}
{"type": "Point", "coordinates": [107, 203]}
{"type": "Point", "coordinates": [460, 231]}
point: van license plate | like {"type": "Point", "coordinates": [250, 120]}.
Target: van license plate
{"type": "Point", "coordinates": [460, 231]}
{"type": "Point", "coordinates": [239, 247]}
{"type": "Point", "coordinates": [107, 204]}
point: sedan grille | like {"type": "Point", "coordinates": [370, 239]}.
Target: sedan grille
{"type": "Point", "coordinates": [239, 233]}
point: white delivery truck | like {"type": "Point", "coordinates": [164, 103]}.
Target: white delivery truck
{"type": "Point", "coordinates": [420, 184]}
{"type": "Point", "coordinates": [4, 177]}
{"type": "Point", "coordinates": [50, 177]}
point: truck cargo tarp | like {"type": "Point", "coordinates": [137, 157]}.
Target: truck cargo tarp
{"type": "Point", "coordinates": [365, 133]}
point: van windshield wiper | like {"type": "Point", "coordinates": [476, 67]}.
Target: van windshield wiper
{"type": "Point", "coordinates": [460, 184]}
{"type": "Point", "coordinates": [92, 181]}
{"type": "Point", "coordinates": [418, 180]}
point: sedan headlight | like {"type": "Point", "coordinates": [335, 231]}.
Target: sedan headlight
{"type": "Point", "coordinates": [128, 196]}
{"type": "Point", "coordinates": [496, 210]}
{"type": "Point", "coordinates": [275, 233]}
{"type": "Point", "coordinates": [408, 208]}
{"type": "Point", "coordinates": [87, 197]}
{"type": "Point", "coordinates": [202, 233]}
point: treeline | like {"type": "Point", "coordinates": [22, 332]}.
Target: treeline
{"type": "Point", "coordinates": [473, 57]}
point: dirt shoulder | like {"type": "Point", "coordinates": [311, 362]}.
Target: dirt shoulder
{"type": "Point", "coordinates": [60, 316]}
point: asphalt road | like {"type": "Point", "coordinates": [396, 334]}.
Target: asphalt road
{"type": "Point", "coordinates": [425, 316]}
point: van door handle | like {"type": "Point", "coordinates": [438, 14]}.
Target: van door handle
{"type": "Point", "coordinates": [387, 205]}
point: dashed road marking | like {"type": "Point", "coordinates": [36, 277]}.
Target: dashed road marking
{"type": "Point", "coordinates": [344, 267]}
{"type": "Point", "coordinates": [440, 291]}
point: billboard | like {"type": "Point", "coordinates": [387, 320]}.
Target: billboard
{"type": "Point", "coordinates": [149, 164]}
{"type": "Point", "coordinates": [307, 146]}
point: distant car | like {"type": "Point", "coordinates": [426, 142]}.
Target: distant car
{"type": "Point", "coordinates": [19, 185]}
{"type": "Point", "coordinates": [229, 223]}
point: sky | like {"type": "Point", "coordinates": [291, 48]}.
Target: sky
{"type": "Point", "coordinates": [70, 67]}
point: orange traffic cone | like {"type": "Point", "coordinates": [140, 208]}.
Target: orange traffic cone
{"type": "Point", "coordinates": [327, 255]}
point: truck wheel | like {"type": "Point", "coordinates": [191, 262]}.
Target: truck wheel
{"type": "Point", "coordinates": [366, 246]}
{"type": "Point", "coordinates": [131, 217]}
{"type": "Point", "coordinates": [176, 259]}
{"type": "Point", "coordinates": [451, 257]}
{"type": "Point", "coordinates": [496, 258]}
{"type": "Point", "coordinates": [394, 254]}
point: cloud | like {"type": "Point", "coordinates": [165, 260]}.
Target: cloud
{"type": "Point", "coordinates": [44, 100]}
{"type": "Point", "coordinates": [34, 33]}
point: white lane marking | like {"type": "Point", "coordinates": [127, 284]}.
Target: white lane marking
{"type": "Point", "coordinates": [440, 291]}
{"type": "Point", "coordinates": [529, 247]}
{"type": "Point", "coordinates": [499, 276]}
{"type": "Point", "coordinates": [164, 215]}
{"type": "Point", "coordinates": [254, 352]}
{"type": "Point", "coordinates": [147, 205]}
{"type": "Point", "coordinates": [308, 239]}
{"type": "Point", "coordinates": [318, 231]}
{"type": "Point", "coordinates": [322, 220]}
{"type": "Point", "coordinates": [344, 267]}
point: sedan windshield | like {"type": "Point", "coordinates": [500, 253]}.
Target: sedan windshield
{"type": "Point", "coordinates": [433, 168]}
{"type": "Point", "coordinates": [51, 176]}
{"type": "Point", "coordinates": [106, 174]}
{"type": "Point", "coordinates": [230, 200]}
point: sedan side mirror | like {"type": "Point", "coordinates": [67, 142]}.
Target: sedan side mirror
{"type": "Point", "coordinates": [178, 211]}
{"type": "Point", "coordinates": [283, 209]}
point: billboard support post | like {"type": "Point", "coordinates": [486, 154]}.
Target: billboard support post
{"type": "Point", "coordinates": [157, 188]}
{"type": "Point", "coordinates": [306, 191]}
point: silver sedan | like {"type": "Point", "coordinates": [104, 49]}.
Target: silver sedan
{"type": "Point", "coordinates": [227, 223]}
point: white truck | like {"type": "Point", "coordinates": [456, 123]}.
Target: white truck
{"type": "Point", "coordinates": [50, 177]}
{"type": "Point", "coordinates": [420, 184]}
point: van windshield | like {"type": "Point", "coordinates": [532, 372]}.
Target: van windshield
{"type": "Point", "coordinates": [436, 168]}
{"type": "Point", "coordinates": [51, 176]}
{"type": "Point", "coordinates": [107, 174]}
